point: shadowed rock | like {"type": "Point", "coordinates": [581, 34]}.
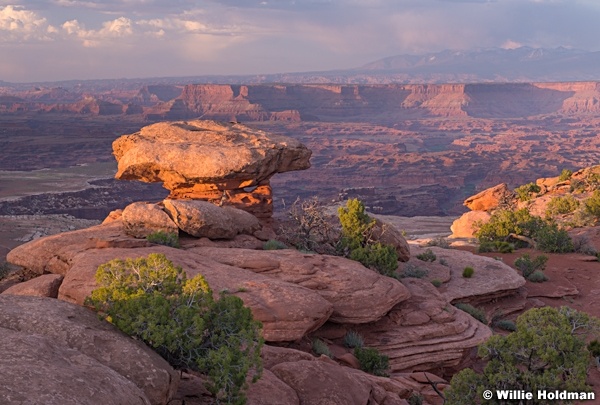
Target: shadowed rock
{"type": "Point", "coordinates": [54, 352]}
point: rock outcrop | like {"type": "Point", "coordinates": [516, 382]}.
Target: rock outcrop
{"type": "Point", "coordinates": [63, 354]}
{"type": "Point", "coordinates": [489, 199]}
{"type": "Point", "coordinates": [226, 164]}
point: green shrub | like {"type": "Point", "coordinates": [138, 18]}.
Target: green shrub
{"type": "Point", "coordinates": [468, 272]}
{"type": "Point", "coordinates": [528, 266]}
{"type": "Point", "coordinates": [415, 399]}
{"type": "Point", "coordinates": [592, 204]}
{"type": "Point", "coordinates": [537, 277]}
{"type": "Point", "coordinates": [546, 352]}
{"type": "Point", "coordinates": [505, 222]}
{"type": "Point", "coordinates": [377, 256]}
{"type": "Point", "coordinates": [550, 238]}
{"type": "Point", "coordinates": [4, 270]}
{"type": "Point", "coordinates": [507, 325]}
{"type": "Point", "coordinates": [436, 282]}
{"type": "Point", "coordinates": [412, 271]}
{"type": "Point", "coordinates": [273, 244]}
{"type": "Point", "coordinates": [320, 348]}
{"type": "Point", "coordinates": [594, 348]}
{"type": "Point", "coordinates": [524, 192]}
{"type": "Point", "coordinates": [439, 242]}
{"type": "Point", "coordinates": [353, 339]}
{"type": "Point", "coordinates": [562, 205]}
{"type": "Point", "coordinates": [372, 361]}
{"type": "Point", "coordinates": [152, 300]}
{"type": "Point", "coordinates": [495, 246]}
{"type": "Point", "coordinates": [474, 312]}
{"type": "Point", "coordinates": [427, 256]}
{"type": "Point", "coordinates": [565, 175]}
{"type": "Point", "coordinates": [357, 240]}
{"type": "Point", "coordinates": [164, 238]}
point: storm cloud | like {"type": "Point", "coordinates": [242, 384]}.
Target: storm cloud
{"type": "Point", "coordinates": [71, 39]}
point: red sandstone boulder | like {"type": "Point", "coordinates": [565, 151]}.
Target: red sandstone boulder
{"type": "Point", "coordinates": [464, 227]}
{"type": "Point", "coordinates": [489, 199]}
{"type": "Point", "coordinates": [43, 286]}
{"type": "Point", "coordinates": [141, 219]}
{"type": "Point", "coordinates": [203, 219]}
{"type": "Point", "coordinates": [54, 352]}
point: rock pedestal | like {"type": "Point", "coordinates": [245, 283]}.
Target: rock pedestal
{"type": "Point", "coordinates": [225, 164]}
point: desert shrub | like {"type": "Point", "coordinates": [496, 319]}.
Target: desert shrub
{"type": "Point", "coordinates": [524, 192]}
{"type": "Point", "coordinates": [546, 352]}
{"type": "Point", "coordinates": [372, 361]}
{"type": "Point", "coordinates": [552, 239]}
{"type": "Point", "coordinates": [357, 241]}
{"type": "Point", "coordinates": [565, 175]}
{"type": "Point", "coordinates": [474, 312]}
{"type": "Point", "coordinates": [503, 223]}
{"type": "Point", "coordinates": [506, 325]}
{"type": "Point", "coordinates": [427, 256]}
{"type": "Point", "coordinates": [528, 266]}
{"type": "Point", "coordinates": [439, 242]}
{"type": "Point", "coordinates": [4, 270]}
{"type": "Point", "coordinates": [468, 272]}
{"type": "Point", "coordinates": [412, 271]}
{"type": "Point", "coordinates": [594, 348]}
{"type": "Point", "coordinates": [436, 282]}
{"type": "Point", "coordinates": [353, 339]}
{"type": "Point", "coordinates": [309, 229]}
{"type": "Point", "coordinates": [443, 261]}
{"type": "Point", "coordinates": [164, 238]}
{"type": "Point", "coordinates": [592, 204]}
{"type": "Point", "coordinates": [273, 244]}
{"type": "Point", "coordinates": [582, 245]}
{"type": "Point", "coordinates": [495, 246]}
{"type": "Point", "coordinates": [320, 348]}
{"type": "Point", "coordinates": [377, 256]}
{"type": "Point", "coordinates": [537, 277]}
{"type": "Point", "coordinates": [415, 399]}
{"type": "Point", "coordinates": [152, 300]}
{"type": "Point", "coordinates": [561, 205]}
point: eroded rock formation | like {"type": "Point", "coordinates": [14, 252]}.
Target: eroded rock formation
{"type": "Point", "coordinates": [226, 164]}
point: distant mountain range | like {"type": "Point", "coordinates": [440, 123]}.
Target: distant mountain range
{"type": "Point", "coordinates": [499, 65]}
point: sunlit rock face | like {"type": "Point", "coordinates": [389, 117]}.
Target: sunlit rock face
{"type": "Point", "coordinates": [226, 164]}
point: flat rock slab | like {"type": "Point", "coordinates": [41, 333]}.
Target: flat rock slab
{"type": "Point", "coordinates": [358, 294]}
{"type": "Point", "coordinates": [287, 311]}
{"type": "Point", "coordinates": [491, 279]}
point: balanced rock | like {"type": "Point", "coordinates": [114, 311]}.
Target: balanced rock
{"type": "Point", "coordinates": [489, 199]}
{"type": "Point", "coordinates": [227, 164]}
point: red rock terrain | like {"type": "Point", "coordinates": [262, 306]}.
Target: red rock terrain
{"type": "Point", "coordinates": [404, 149]}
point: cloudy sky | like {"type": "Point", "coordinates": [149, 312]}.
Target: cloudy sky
{"type": "Point", "coordinates": [72, 39]}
